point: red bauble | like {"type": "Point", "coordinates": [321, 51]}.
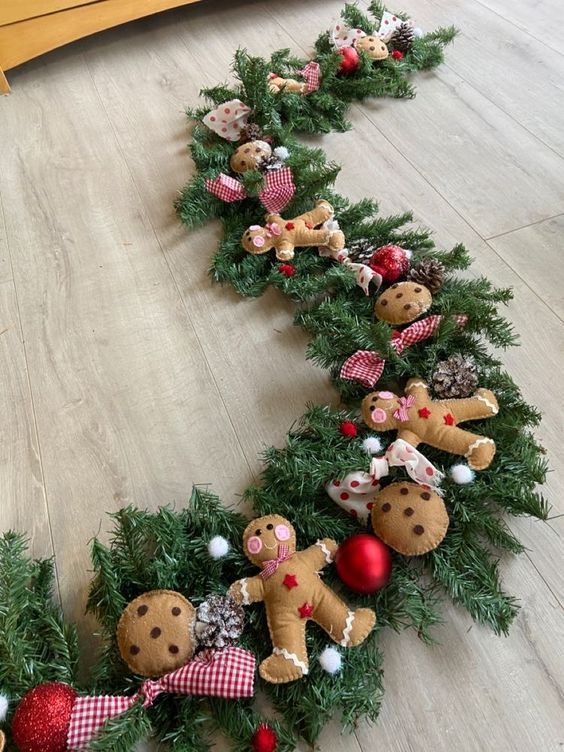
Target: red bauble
{"type": "Point", "coordinates": [397, 55]}
{"type": "Point", "coordinates": [288, 270]}
{"type": "Point", "coordinates": [391, 261]}
{"type": "Point", "coordinates": [348, 428]}
{"type": "Point", "coordinates": [350, 61]}
{"type": "Point", "coordinates": [364, 563]}
{"type": "Point", "coordinates": [41, 721]}
{"type": "Point", "coordinates": [264, 739]}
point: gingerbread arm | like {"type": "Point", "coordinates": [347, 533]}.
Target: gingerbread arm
{"type": "Point", "coordinates": [320, 554]}
{"type": "Point", "coordinates": [409, 436]}
{"type": "Point", "coordinates": [248, 590]}
{"type": "Point", "coordinates": [269, 218]}
{"type": "Point", "coordinates": [418, 388]}
{"type": "Point", "coordinates": [284, 250]}
{"type": "Point", "coordinates": [482, 405]}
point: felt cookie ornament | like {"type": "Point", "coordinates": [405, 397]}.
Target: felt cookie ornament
{"type": "Point", "coordinates": [402, 302]}
{"type": "Point", "coordinates": [250, 156]}
{"type": "Point", "coordinates": [293, 593]}
{"type": "Point", "coordinates": [419, 419]}
{"type": "Point", "coordinates": [283, 235]}
{"type": "Point", "coordinates": [344, 36]}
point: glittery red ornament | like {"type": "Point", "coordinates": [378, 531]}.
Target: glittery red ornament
{"type": "Point", "coordinates": [348, 428]}
{"type": "Point", "coordinates": [264, 739]}
{"type": "Point", "coordinates": [364, 563]}
{"type": "Point", "coordinates": [397, 55]}
{"type": "Point", "coordinates": [41, 721]}
{"type": "Point", "coordinates": [288, 270]}
{"type": "Point", "coordinates": [350, 61]}
{"type": "Point", "coordinates": [391, 261]}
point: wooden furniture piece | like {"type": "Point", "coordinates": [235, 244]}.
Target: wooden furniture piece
{"type": "Point", "coordinates": [29, 28]}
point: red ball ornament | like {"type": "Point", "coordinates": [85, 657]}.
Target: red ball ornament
{"type": "Point", "coordinates": [41, 721]}
{"type": "Point", "coordinates": [350, 61]}
{"type": "Point", "coordinates": [264, 739]}
{"type": "Point", "coordinates": [349, 429]}
{"type": "Point", "coordinates": [397, 55]}
{"type": "Point", "coordinates": [364, 563]}
{"type": "Point", "coordinates": [288, 270]}
{"type": "Point", "coordinates": [391, 261]}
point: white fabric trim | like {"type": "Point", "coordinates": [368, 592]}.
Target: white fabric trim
{"type": "Point", "coordinates": [291, 657]}
{"type": "Point", "coordinates": [476, 444]}
{"type": "Point", "coordinates": [244, 591]}
{"type": "Point", "coordinates": [347, 630]}
{"type": "Point", "coordinates": [418, 383]}
{"type": "Point", "coordinates": [328, 555]}
{"type": "Point", "coordinates": [489, 404]}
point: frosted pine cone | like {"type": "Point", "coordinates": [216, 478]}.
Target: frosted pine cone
{"type": "Point", "coordinates": [455, 377]}
{"type": "Point", "coordinates": [219, 621]}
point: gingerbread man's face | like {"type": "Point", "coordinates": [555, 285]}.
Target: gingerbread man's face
{"type": "Point", "coordinates": [249, 156]}
{"type": "Point", "coordinates": [373, 46]}
{"type": "Point", "coordinates": [263, 536]}
{"type": "Point", "coordinates": [378, 409]}
{"type": "Point", "coordinates": [257, 239]}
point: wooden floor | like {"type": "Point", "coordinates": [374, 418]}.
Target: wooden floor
{"type": "Point", "coordinates": [127, 375]}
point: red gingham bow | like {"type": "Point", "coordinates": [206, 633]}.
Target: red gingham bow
{"type": "Point", "coordinates": [312, 74]}
{"type": "Point", "coordinates": [269, 567]}
{"type": "Point", "coordinates": [367, 366]}
{"type": "Point", "coordinates": [278, 189]}
{"type": "Point", "coordinates": [227, 673]}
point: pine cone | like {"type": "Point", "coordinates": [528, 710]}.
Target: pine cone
{"type": "Point", "coordinates": [361, 251]}
{"type": "Point", "coordinates": [428, 272]}
{"type": "Point", "coordinates": [251, 132]}
{"type": "Point", "coordinates": [270, 163]}
{"type": "Point", "coordinates": [455, 377]}
{"type": "Point", "coordinates": [219, 621]}
{"type": "Point", "coordinates": [402, 38]}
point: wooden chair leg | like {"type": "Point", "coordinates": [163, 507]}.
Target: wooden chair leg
{"type": "Point", "coordinates": [4, 85]}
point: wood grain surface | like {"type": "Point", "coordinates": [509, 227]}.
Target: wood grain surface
{"type": "Point", "coordinates": [127, 375]}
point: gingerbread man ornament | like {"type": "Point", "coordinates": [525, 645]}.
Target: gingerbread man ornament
{"type": "Point", "coordinates": [419, 419]}
{"type": "Point", "coordinates": [285, 234]}
{"type": "Point", "coordinates": [293, 593]}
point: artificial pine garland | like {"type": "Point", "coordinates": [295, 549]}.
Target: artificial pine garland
{"type": "Point", "coordinates": [168, 549]}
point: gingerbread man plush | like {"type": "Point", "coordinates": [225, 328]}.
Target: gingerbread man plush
{"type": "Point", "coordinates": [284, 235]}
{"type": "Point", "coordinates": [419, 419]}
{"type": "Point", "coordinates": [293, 593]}
{"type": "Point", "coordinates": [277, 83]}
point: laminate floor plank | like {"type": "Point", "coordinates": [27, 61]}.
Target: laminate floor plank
{"type": "Point", "coordinates": [536, 17]}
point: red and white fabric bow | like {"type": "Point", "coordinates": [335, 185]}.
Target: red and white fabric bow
{"type": "Point", "coordinates": [228, 119]}
{"type": "Point", "coordinates": [367, 366]}
{"type": "Point", "coordinates": [389, 23]}
{"type": "Point", "coordinates": [363, 273]}
{"type": "Point", "coordinates": [277, 192]}
{"type": "Point", "coordinates": [405, 403]}
{"type": "Point", "coordinates": [342, 35]}
{"type": "Point", "coordinates": [227, 673]}
{"type": "Point", "coordinates": [357, 491]}
{"type": "Point", "coordinates": [312, 74]}
{"type": "Point", "coordinates": [269, 567]}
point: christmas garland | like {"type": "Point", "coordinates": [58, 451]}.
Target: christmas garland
{"type": "Point", "coordinates": [329, 449]}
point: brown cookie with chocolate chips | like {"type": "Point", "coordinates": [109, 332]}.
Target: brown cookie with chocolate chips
{"type": "Point", "coordinates": [402, 303]}
{"type": "Point", "coordinates": [249, 156]}
{"type": "Point", "coordinates": [410, 518]}
{"type": "Point", "coordinates": [155, 633]}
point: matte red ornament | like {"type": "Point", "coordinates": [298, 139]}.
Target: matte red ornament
{"type": "Point", "coordinates": [364, 563]}
{"type": "Point", "coordinates": [348, 428]}
{"type": "Point", "coordinates": [391, 261]}
{"type": "Point", "coordinates": [350, 61]}
{"type": "Point", "coordinates": [41, 721]}
{"type": "Point", "coordinates": [288, 270]}
{"type": "Point", "coordinates": [264, 739]}
{"type": "Point", "coordinates": [397, 55]}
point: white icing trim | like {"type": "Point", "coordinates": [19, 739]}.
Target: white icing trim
{"type": "Point", "coordinates": [328, 555]}
{"type": "Point", "coordinates": [417, 383]}
{"type": "Point", "coordinates": [489, 404]}
{"type": "Point", "coordinates": [291, 657]}
{"type": "Point", "coordinates": [477, 443]}
{"type": "Point", "coordinates": [244, 591]}
{"type": "Point", "coordinates": [347, 630]}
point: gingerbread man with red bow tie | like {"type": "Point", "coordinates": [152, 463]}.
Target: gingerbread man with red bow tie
{"type": "Point", "coordinates": [293, 593]}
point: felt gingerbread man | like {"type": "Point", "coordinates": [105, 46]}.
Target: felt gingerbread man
{"type": "Point", "coordinates": [293, 593]}
{"type": "Point", "coordinates": [277, 83]}
{"type": "Point", "coordinates": [420, 419]}
{"type": "Point", "coordinates": [286, 234]}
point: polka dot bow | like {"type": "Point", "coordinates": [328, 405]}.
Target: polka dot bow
{"type": "Point", "coordinates": [228, 119]}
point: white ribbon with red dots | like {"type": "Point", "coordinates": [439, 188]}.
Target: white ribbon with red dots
{"type": "Point", "coordinates": [363, 273]}
{"type": "Point", "coordinates": [357, 491]}
{"type": "Point", "coordinates": [389, 23]}
{"type": "Point", "coordinates": [342, 35]}
{"type": "Point", "coordinates": [228, 119]}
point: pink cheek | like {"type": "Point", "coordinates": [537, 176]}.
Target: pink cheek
{"type": "Point", "coordinates": [282, 532]}
{"type": "Point", "coordinates": [254, 545]}
{"type": "Point", "coordinates": [378, 415]}
{"type": "Point", "coordinates": [258, 242]}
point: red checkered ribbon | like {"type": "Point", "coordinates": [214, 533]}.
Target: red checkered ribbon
{"type": "Point", "coordinates": [227, 673]}
{"type": "Point", "coordinates": [367, 366]}
{"type": "Point", "coordinates": [278, 189]}
{"type": "Point", "coordinates": [312, 74]}
{"type": "Point", "coordinates": [269, 567]}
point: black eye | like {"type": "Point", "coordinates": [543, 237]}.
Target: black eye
{"type": "Point", "coordinates": [269, 527]}
{"type": "Point", "coordinates": [258, 532]}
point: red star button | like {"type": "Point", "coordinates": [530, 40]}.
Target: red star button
{"type": "Point", "coordinates": [449, 419]}
{"type": "Point", "coordinates": [305, 610]}
{"type": "Point", "coordinates": [290, 581]}
{"type": "Point", "coordinates": [289, 225]}
{"type": "Point", "coordinates": [424, 412]}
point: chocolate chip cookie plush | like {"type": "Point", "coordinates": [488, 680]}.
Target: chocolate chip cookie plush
{"type": "Point", "coordinates": [374, 47]}
{"type": "Point", "coordinates": [419, 419]}
{"type": "Point", "coordinates": [403, 302]}
{"type": "Point", "coordinates": [249, 156]}
{"type": "Point", "coordinates": [284, 235]}
{"type": "Point", "coordinates": [155, 633]}
{"type": "Point", "coordinates": [410, 518]}
{"type": "Point", "coordinates": [293, 593]}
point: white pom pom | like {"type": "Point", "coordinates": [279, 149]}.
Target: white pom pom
{"type": "Point", "coordinates": [372, 444]}
{"type": "Point", "coordinates": [330, 660]}
{"type": "Point", "coordinates": [408, 252]}
{"type": "Point", "coordinates": [282, 153]}
{"type": "Point", "coordinates": [3, 707]}
{"type": "Point", "coordinates": [218, 547]}
{"type": "Point", "coordinates": [461, 474]}
{"type": "Point", "coordinates": [417, 32]}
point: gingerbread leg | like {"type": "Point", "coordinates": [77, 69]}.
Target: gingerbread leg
{"type": "Point", "coordinates": [322, 212]}
{"type": "Point", "coordinates": [347, 627]}
{"type": "Point", "coordinates": [478, 450]}
{"type": "Point", "coordinates": [482, 405]}
{"type": "Point", "coordinates": [289, 653]}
